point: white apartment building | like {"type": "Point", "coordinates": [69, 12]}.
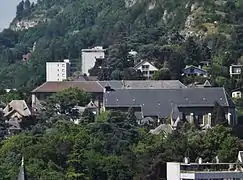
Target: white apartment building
{"type": "Point", "coordinates": [89, 57]}
{"type": "Point", "coordinates": [57, 71]}
{"type": "Point", "coordinates": [203, 171]}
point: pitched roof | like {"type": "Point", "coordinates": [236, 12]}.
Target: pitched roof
{"type": "Point", "coordinates": [142, 62]}
{"type": "Point", "coordinates": [159, 102]}
{"type": "Point", "coordinates": [99, 86]}
{"type": "Point", "coordinates": [166, 128]}
{"type": "Point", "coordinates": [194, 67]}
{"type": "Point", "coordinates": [237, 89]}
{"type": "Point", "coordinates": [86, 78]}
{"type": "Point", "coordinates": [207, 84]}
{"type": "Point", "coordinates": [198, 85]}
{"type": "Point", "coordinates": [147, 84]}
{"type": "Point", "coordinates": [52, 87]}
{"type": "Point", "coordinates": [17, 105]}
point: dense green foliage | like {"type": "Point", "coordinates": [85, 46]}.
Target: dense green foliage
{"type": "Point", "coordinates": [111, 148]}
{"type": "Point", "coordinates": [156, 29]}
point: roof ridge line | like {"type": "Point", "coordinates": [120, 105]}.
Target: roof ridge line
{"type": "Point", "coordinates": [39, 86]}
{"type": "Point", "coordinates": [98, 82]}
{"type": "Point", "coordinates": [227, 101]}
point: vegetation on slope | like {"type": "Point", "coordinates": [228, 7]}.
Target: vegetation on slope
{"type": "Point", "coordinates": [172, 32]}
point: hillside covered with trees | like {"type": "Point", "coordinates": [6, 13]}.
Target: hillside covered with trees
{"type": "Point", "coordinates": [172, 33]}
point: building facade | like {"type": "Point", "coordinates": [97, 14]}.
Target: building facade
{"type": "Point", "coordinates": [192, 104]}
{"type": "Point", "coordinates": [89, 57]}
{"type": "Point", "coordinates": [194, 71]}
{"type": "Point", "coordinates": [147, 68]}
{"type": "Point", "coordinates": [57, 71]}
{"type": "Point", "coordinates": [237, 93]}
{"type": "Point", "coordinates": [235, 70]}
{"type": "Point", "coordinates": [199, 171]}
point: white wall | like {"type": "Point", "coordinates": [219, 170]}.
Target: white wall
{"type": "Point", "coordinates": [150, 68]}
{"type": "Point", "coordinates": [89, 57]}
{"type": "Point", "coordinates": [236, 94]}
{"type": "Point", "coordinates": [173, 171]}
{"type": "Point", "coordinates": [57, 71]}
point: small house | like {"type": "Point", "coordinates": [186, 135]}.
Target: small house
{"type": "Point", "coordinates": [16, 109]}
{"type": "Point", "coordinates": [194, 71]}
{"type": "Point", "coordinates": [147, 68]}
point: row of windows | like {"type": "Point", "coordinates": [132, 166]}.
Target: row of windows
{"type": "Point", "coordinates": [63, 70]}
{"type": "Point", "coordinates": [63, 75]}
{"type": "Point", "coordinates": [63, 65]}
{"type": "Point", "coordinates": [145, 66]}
{"type": "Point", "coordinates": [150, 72]}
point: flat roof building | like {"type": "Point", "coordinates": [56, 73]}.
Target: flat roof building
{"type": "Point", "coordinates": [57, 71]}
{"type": "Point", "coordinates": [89, 57]}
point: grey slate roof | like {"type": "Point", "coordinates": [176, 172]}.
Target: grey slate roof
{"type": "Point", "coordinates": [194, 67]}
{"type": "Point", "coordinates": [147, 84]}
{"type": "Point", "coordinates": [159, 102]}
{"type": "Point", "coordinates": [99, 86]}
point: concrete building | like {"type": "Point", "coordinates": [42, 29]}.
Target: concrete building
{"type": "Point", "coordinates": [89, 57]}
{"type": "Point", "coordinates": [57, 71]}
{"type": "Point", "coordinates": [205, 171]}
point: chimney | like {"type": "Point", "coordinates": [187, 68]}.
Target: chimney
{"type": "Point", "coordinates": [108, 87]}
{"type": "Point", "coordinates": [200, 161]}
{"type": "Point", "coordinates": [186, 160]}
{"type": "Point", "coordinates": [217, 159]}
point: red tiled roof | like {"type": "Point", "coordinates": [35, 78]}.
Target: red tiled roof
{"type": "Point", "coordinates": [87, 86]}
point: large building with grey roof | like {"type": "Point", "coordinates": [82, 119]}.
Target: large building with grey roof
{"type": "Point", "coordinates": [96, 88]}
{"type": "Point", "coordinates": [193, 104]}
{"type": "Point", "coordinates": [157, 99]}
{"type": "Point", "coordinates": [147, 84]}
